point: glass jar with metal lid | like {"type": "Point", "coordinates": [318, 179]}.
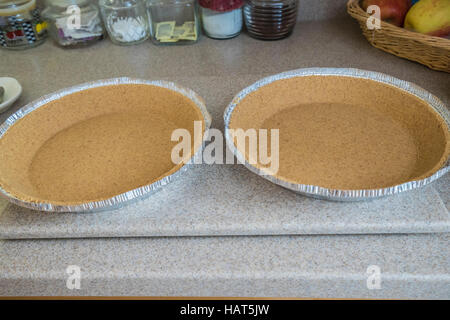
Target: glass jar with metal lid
{"type": "Point", "coordinates": [21, 25]}
{"type": "Point", "coordinates": [73, 23]}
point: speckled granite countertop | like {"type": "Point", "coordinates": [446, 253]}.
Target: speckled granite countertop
{"type": "Point", "coordinates": [231, 200]}
{"type": "Point", "coordinates": [321, 266]}
{"type": "Point", "coordinates": [411, 266]}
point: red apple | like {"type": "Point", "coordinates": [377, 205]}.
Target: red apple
{"type": "Point", "coordinates": [392, 11]}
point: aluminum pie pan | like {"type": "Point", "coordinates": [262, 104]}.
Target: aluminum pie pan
{"type": "Point", "coordinates": [339, 194]}
{"type": "Point", "coordinates": [123, 198]}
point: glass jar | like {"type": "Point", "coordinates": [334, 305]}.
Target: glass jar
{"type": "Point", "coordinates": [21, 25]}
{"type": "Point", "coordinates": [126, 21]}
{"type": "Point", "coordinates": [270, 19]}
{"type": "Point", "coordinates": [173, 21]}
{"type": "Point", "coordinates": [73, 23]}
{"type": "Point", "coordinates": [221, 19]}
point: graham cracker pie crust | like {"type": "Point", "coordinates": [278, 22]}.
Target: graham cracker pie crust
{"type": "Point", "coordinates": [94, 144]}
{"type": "Point", "coordinates": [346, 133]}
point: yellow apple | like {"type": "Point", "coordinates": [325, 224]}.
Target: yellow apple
{"type": "Point", "coordinates": [431, 17]}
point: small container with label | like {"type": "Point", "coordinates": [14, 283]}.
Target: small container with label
{"type": "Point", "coordinates": [21, 25]}
{"type": "Point", "coordinates": [73, 23]}
{"type": "Point", "coordinates": [173, 21]}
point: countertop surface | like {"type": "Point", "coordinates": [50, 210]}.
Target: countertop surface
{"type": "Point", "coordinates": [411, 265]}
{"type": "Point", "coordinates": [231, 200]}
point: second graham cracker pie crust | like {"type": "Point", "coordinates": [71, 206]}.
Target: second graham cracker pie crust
{"type": "Point", "coordinates": [343, 133]}
{"type": "Point", "coordinates": [97, 143]}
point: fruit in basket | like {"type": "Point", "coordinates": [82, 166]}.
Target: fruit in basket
{"type": "Point", "coordinates": [391, 11]}
{"type": "Point", "coordinates": [431, 17]}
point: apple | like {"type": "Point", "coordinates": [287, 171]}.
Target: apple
{"type": "Point", "coordinates": [431, 17]}
{"type": "Point", "coordinates": [392, 11]}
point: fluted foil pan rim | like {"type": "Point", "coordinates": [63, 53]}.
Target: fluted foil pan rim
{"type": "Point", "coordinates": [337, 194]}
{"type": "Point", "coordinates": [126, 197]}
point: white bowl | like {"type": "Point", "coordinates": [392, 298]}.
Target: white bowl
{"type": "Point", "coordinates": [13, 90]}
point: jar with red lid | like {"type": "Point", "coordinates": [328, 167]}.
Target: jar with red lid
{"type": "Point", "coordinates": [221, 19]}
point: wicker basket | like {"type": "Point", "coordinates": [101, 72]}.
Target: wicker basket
{"type": "Point", "coordinates": [434, 52]}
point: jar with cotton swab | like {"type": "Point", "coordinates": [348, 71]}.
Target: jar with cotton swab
{"type": "Point", "coordinates": [126, 21]}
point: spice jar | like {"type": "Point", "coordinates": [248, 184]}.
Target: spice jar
{"type": "Point", "coordinates": [270, 19]}
{"type": "Point", "coordinates": [21, 25]}
{"type": "Point", "coordinates": [126, 21]}
{"type": "Point", "coordinates": [73, 23]}
{"type": "Point", "coordinates": [221, 19]}
{"type": "Point", "coordinates": [173, 21]}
